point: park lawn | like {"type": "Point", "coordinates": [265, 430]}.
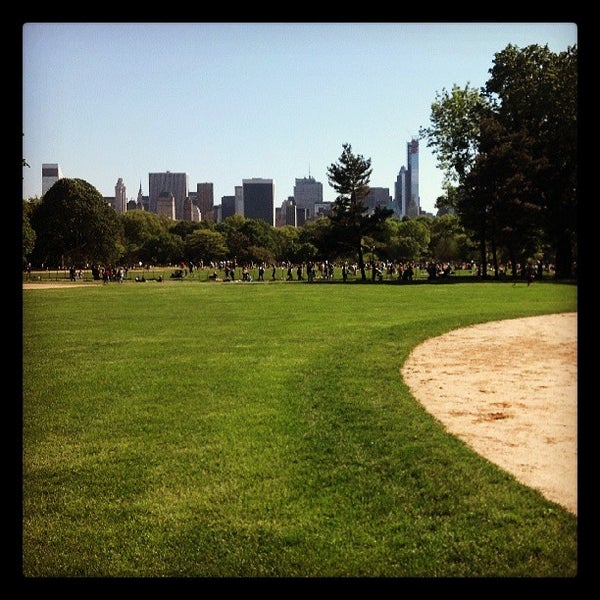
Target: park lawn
{"type": "Point", "coordinates": [186, 429]}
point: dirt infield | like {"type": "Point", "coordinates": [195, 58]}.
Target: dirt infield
{"type": "Point", "coordinates": [509, 390]}
{"type": "Point", "coordinates": [48, 286]}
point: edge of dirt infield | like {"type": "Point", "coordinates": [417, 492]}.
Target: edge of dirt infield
{"type": "Point", "coordinates": [509, 390]}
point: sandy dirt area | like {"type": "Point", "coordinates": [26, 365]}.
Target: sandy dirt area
{"type": "Point", "coordinates": [509, 390]}
{"type": "Point", "coordinates": [48, 286]}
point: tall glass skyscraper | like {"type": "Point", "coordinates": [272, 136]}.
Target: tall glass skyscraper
{"type": "Point", "coordinates": [413, 206]}
{"type": "Point", "coordinates": [259, 199]}
{"type": "Point", "coordinates": [406, 188]}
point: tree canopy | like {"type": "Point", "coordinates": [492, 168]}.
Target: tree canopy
{"type": "Point", "coordinates": [350, 219]}
{"type": "Point", "coordinates": [74, 225]}
{"type": "Point", "coordinates": [511, 150]}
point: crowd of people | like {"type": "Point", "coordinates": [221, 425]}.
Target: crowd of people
{"type": "Point", "coordinates": [378, 270]}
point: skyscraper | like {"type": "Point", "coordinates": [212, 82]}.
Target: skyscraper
{"type": "Point", "coordinates": [377, 196]}
{"type": "Point", "coordinates": [120, 204]}
{"type": "Point", "coordinates": [400, 192]}
{"type": "Point", "coordinates": [51, 173]}
{"type": "Point", "coordinates": [259, 199]}
{"type": "Point", "coordinates": [205, 200]}
{"type": "Point", "coordinates": [307, 193]}
{"type": "Point", "coordinates": [413, 207]}
{"type": "Point", "coordinates": [169, 183]}
{"type": "Point", "coordinates": [407, 183]}
{"type": "Point", "coordinates": [227, 206]}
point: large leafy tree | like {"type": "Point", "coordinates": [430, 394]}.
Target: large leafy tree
{"type": "Point", "coordinates": [74, 225]}
{"type": "Point", "coordinates": [534, 92]}
{"type": "Point", "coordinates": [511, 148]}
{"type": "Point", "coordinates": [405, 239]}
{"type": "Point", "coordinates": [449, 240]}
{"type": "Point", "coordinates": [501, 191]}
{"type": "Point", "coordinates": [350, 218]}
{"type": "Point", "coordinates": [206, 245]}
{"type": "Point", "coordinates": [454, 131]}
{"type": "Point", "coordinates": [28, 234]}
{"type": "Point", "coordinates": [141, 229]}
{"type": "Point", "coordinates": [454, 134]}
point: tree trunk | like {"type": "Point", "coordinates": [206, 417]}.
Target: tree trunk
{"type": "Point", "coordinates": [361, 263]}
{"type": "Point", "coordinates": [563, 261]}
{"type": "Point", "coordinates": [495, 259]}
{"type": "Point", "coordinates": [483, 258]}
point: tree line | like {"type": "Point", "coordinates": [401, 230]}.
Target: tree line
{"type": "Point", "coordinates": [508, 152]}
{"type": "Point", "coordinates": [72, 224]}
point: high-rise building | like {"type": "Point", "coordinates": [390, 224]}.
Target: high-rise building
{"type": "Point", "coordinates": [259, 199]}
{"type": "Point", "coordinates": [287, 214]}
{"type": "Point", "coordinates": [413, 207]}
{"type": "Point", "coordinates": [227, 206]}
{"type": "Point", "coordinates": [142, 202]}
{"type": "Point", "coordinates": [120, 203]}
{"type": "Point", "coordinates": [400, 192]}
{"type": "Point", "coordinates": [377, 196]}
{"type": "Point", "coordinates": [407, 183]}
{"type": "Point", "coordinates": [165, 205]}
{"type": "Point", "coordinates": [307, 193]}
{"type": "Point", "coordinates": [205, 200]}
{"type": "Point", "coordinates": [191, 212]}
{"type": "Point", "coordinates": [239, 200]}
{"type": "Point", "coordinates": [51, 173]}
{"type": "Point", "coordinates": [170, 183]}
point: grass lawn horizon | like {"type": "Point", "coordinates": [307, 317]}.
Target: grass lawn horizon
{"type": "Point", "coordinates": [186, 429]}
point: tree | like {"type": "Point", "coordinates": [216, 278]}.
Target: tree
{"type": "Point", "coordinates": [350, 219]}
{"type": "Point", "coordinates": [141, 229]}
{"type": "Point", "coordinates": [455, 118]}
{"type": "Point", "coordinates": [28, 239]}
{"type": "Point", "coordinates": [206, 245]}
{"type": "Point", "coordinates": [406, 239]}
{"type": "Point", "coordinates": [535, 92]}
{"type": "Point", "coordinates": [501, 190]}
{"type": "Point", "coordinates": [449, 241]}
{"type": "Point", "coordinates": [511, 147]}
{"type": "Point", "coordinates": [74, 225]}
{"type": "Point", "coordinates": [454, 135]}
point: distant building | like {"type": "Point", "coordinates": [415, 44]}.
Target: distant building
{"type": "Point", "coordinates": [400, 192]}
{"type": "Point", "coordinates": [413, 208]}
{"type": "Point", "coordinates": [378, 196]}
{"type": "Point", "coordinates": [239, 200]}
{"type": "Point", "coordinates": [120, 203]}
{"type": "Point", "coordinates": [205, 200]}
{"type": "Point", "coordinates": [301, 216]}
{"type": "Point", "coordinates": [322, 209]}
{"type": "Point", "coordinates": [165, 205]}
{"type": "Point", "coordinates": [191, 212]}
{"type": "Point", "coordinates": [407, 183]}
{"type": "Point", "coordinates": [176, 184]}
{"type": "Point", "coordinates": [142, 202]}
{"type": "Point", "coordinates": [307, 193]}
{"type": "Point", "coordinates": [287, 214]}
{"type": "Point", "coordinates": [51, 173]}
{"type": "Point", "coordinates": [227, 207]}
{"type": "Point", "coordinates": [259, 199]}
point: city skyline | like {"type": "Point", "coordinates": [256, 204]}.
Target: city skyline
{"type": "Point", "coordinates": [225, 102]}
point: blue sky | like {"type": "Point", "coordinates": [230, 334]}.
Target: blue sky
{"type": "Point", "coordinates": [230, 101]}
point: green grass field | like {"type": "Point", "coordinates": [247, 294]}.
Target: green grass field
{"type": "Point", "coordinates": [263, 430]}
